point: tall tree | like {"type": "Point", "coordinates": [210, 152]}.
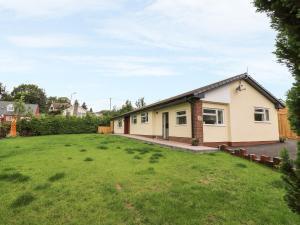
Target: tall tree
{"type": "Point", "coordinates": [285, 19]}
{"type": "Point", "coordinates": [84, 106]}
{"type": "Point", "coordinates": [4, 95]}
{"type": "Point", "coordinates": [32, 94]}
{"type": "Point", "coordinates": [140, 103]}
{"type": "Point", "coordinates": [127, 107]}
{"type": "Point", "coordinates": [19, 107]}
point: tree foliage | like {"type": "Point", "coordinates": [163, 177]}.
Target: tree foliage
{"type": "Point", "coordinates": [19, 107]}
{"type": "Point", "coordinates": [84, 106]}
{"type": "Point", "coordinates": [140, 103]}
{"type": "Point", "coordinates": [32, 94]}
{"type": "Point", "coordinates": [4, 94]}
{"type": "Point", "coordinates": [285, 19]}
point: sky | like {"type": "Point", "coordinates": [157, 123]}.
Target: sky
{"type": "Point", "coordinates": [126, 49]}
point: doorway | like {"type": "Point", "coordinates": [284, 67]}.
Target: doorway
{"type": "Point", "coordinates": [127, 125]}
{"type": "Point", "coordinates": [165, 125]}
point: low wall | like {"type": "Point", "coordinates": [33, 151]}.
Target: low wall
{"type": "Point", "coordinates": [263, 159]}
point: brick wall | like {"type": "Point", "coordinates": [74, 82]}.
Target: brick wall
{"type": "Point", "coordinates": [197, 121]}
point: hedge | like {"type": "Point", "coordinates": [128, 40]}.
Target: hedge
{"type": "Point", "coordinates": [51, 125]}
{"type": "Point", "coordinates": [4, 129]}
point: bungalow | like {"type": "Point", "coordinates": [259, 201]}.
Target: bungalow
{"type": "Point", "coordinates": [236, 111]}
{"type": "Point", "coordinates": [7, 110]}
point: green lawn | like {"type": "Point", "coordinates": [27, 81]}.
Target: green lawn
{"type": "Point", "coordinates": [92, 179]}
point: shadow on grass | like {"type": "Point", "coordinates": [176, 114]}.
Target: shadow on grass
{"type": "Point", "coordinates": [23, 200]}
{"type": "Point", "coordinates": [83, 150]}
{"type": "Point", "coordinates": [145, 150]}
{"type": "Point", "coordinates": [68, 145]}
{"type": "Point", "coordinates": [102, 147]}
{"type": "Point", "coordinates": [241, 165]}
{"type": "Point", "coordinates": [42, 186]}
{"type": "Point", "coordinates": [149, 171]}
{"type": "Point", "coordinates": [155, 157]}
{"type": "Point", "coordinates": [9, 169]}
{"type": "Point", "coordinates": [88, 159]}
{"type": "Point", "coordinates": [14, 177]}
{"type": "Point", "coordinates": [56, 177]}
{"type": "Point", "coordinates": [279, 184]}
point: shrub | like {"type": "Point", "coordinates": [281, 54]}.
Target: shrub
{"type": "Point", "coordinates": [58, 125]}
{"type": "Point", "coordinates": [195, 142]}
{"type": "Point", "coordinates": [4, 129]}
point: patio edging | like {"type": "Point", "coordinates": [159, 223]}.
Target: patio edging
{"type": "Point", "coordinates": [272, 162]}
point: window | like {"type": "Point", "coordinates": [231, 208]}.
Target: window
{"type": "Point", "coordinates": [134, 119]}
{"type": "Point", "coordinates": [9, 118]}
{"type": "Point", "coordinates": [144, 117]}
{"type": "Point", "coordinates": [120, 123]}
{"type": "Point", "coordinates": [213, 116]}
{"type": "Point", "coordinates": [10, 108]}
{"type": "Point", "coordinates": [181, 118]}
{"type": "Point", "coordinates": [261, 115]}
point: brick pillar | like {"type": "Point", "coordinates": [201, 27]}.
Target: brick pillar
{"type": "Point", "coordinates": [197, 121]}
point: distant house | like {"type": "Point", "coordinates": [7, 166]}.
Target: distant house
{"type": "Point", "coordinates": [237, 111]}
{"type": "Point", "coordinates": [7, 110]}
{"type": "Point", "coordinates": [57, 107]}
{"type": "Point", "coordinates": [75, 110]}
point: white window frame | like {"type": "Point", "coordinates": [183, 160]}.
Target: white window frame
{"type": "Point", "coordinates": [144, 115]}
{"type": "Point", "coordinates": [134, 119]}
{"type": "Point", "coordinates": [264, 110]}
{"type": "Point", "coordinates": [216, 114]}
{"type": "Point", "coordinates": [180, 116]}
{"type": "Point", "coordinates": [10, 108]}
{"type": "Point", "coordinates": [120, 123]}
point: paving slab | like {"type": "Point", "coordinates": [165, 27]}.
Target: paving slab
{"type": "Point", "coordinates": [172, 144]}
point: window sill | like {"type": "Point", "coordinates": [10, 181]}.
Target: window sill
{"type": "Point", "coordinates": [180, 125]}
{"type": "Point", "coordinates": [266, 122]}
{"type": "Point", "coordinates": [215, 125]}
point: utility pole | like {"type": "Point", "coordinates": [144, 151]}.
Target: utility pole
{"type": "Point", "coordinates": [110, 104]}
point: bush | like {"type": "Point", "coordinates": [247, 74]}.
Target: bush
{"type": "Point", "coordinates": [4, 129]}
{"type": "Point", "coordinates": [59, 125]}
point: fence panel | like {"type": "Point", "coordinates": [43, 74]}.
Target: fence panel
{"type": "Point", "coordinates": [284, 125]}
{"type": "Point", "coordinates": [104, 130]}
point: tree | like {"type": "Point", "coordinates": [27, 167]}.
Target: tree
{"type": "Point", "coordinates": [285, 19]}
{"type": "Point", "coordinates": [140, 103]}
{"type": "Point", "coordinates": [91, 110]}
{"type": "Point", "coordinates": [32, 94]}
{"type": "Point", "coordinates": [127, 107]}
{"type": "Point", "coordinates": [4, 95]}
{"type": "Point", "coordinates": [19, 107]}
{"type": "Point", "coordinates": [84, 106]}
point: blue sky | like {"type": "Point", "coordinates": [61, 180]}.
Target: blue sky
{"type": "Point", "coordinates": [126, 49]}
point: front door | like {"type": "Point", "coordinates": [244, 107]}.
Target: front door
{"type": "Point", "coordinates": [165, 124]}
{"type": "Point", "coordinates": [127, 125]}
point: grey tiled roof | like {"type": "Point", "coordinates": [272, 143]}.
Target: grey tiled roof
{"type": "Point", "coordinates": [31, 108]}
{"type": "Point", "coordinates": [210, 87]}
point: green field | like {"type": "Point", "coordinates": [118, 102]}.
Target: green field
{"type": "Point", "coordinates": [92, 179]}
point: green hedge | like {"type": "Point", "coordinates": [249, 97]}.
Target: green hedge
{"type": "Point", "coordinates": [4, 129]}
{"type": "Point", "coordinates": [59, 125]}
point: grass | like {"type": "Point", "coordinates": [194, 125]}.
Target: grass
{"type": "Point", "coordinates": [51, 180]}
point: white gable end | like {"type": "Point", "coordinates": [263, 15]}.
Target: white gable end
{"type": "Point", "coordinates": [220, 95]}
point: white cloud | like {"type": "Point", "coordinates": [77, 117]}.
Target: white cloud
{"type": "Point", "coordinates": [120, 65]}
{"type": "Point", "coordinates": [54, 7]}
{"type": "Point", "coordinates": [189, 24]}
{"type": "Point", "coordinates": [47, 41]}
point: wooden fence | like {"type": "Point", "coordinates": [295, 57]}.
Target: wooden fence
{"type": "Point", "coordinates": [284, 125]}
{"type": "Point", "coordinates": [105, 130]}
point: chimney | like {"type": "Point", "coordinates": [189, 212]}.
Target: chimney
{"type": "Point", "coordinates": [76, 105]}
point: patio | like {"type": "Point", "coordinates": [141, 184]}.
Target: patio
{"type": "Point", "coordinates": [172, 144]}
